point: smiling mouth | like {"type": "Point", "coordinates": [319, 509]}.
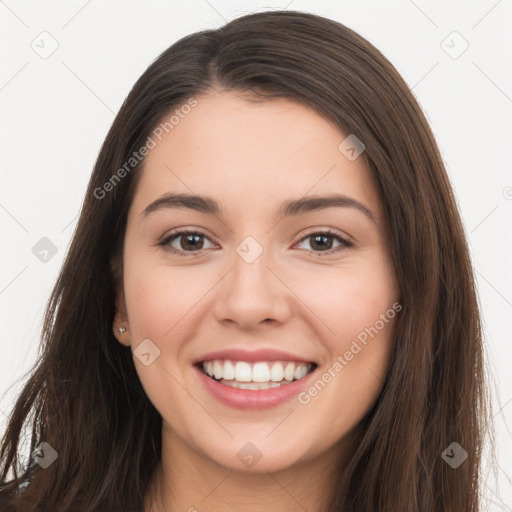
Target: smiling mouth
{"type": "Point", "coordinates": [257, 375]}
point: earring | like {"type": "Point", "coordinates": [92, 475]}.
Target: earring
{"type": "Point", "coordinates": [121, 330]}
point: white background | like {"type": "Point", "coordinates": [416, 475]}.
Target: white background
{"type": "Point", "coordinates": [55, 113]}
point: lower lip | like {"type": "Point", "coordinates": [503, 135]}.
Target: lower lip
{"type": "Point", "coordinates": [253, 398]}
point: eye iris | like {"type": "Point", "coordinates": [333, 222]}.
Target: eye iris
{"type": "Point", "coordinates": [318, 237]}
{"type": "Point", "coordinates": [194, 241]}
{"type": "Point", "coordinates": [187, 238]}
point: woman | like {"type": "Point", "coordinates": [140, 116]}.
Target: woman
{"type": "Point", "coordinates": [268, 300]}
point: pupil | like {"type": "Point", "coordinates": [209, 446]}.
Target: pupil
{"type": "Point", "coordinates": [318, 240]}
{"type": "Point", "coordinates": [321, 237]}
{"type": "Point", "coordinates": [188, 238]}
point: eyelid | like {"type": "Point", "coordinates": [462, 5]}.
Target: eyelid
{"type": "Point", "coordinates": [346, 241]}
{"type": "Point", "coordinates": [183, 231]}
{"type": "Point", "coordinates": [331, 231]}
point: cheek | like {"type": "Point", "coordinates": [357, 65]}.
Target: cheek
{"type": "Point", "coordinates": [348, 300]}
{"type": "Point", "coordinates": [159, 297]}
{"type": "Point", "coordinates": [160, 302]}
{"type": "Point", "coordinates": [357, 307]}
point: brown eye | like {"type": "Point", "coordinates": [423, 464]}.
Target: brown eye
{"type": "Point", "coordinates": [190, 242]}
{"type": "Point", "coordinates": [323, 242]}
{"type": "Point", "coordinates": [186, 243]}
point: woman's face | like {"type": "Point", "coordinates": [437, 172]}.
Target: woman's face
{"type": "Point", "coordinates": [262, 289]}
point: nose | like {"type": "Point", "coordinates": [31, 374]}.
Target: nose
{"type": "Point", "coordinates": [252, 294]}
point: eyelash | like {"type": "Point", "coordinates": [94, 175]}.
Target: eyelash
{"type": "Point", "coordinates": [176, 234]}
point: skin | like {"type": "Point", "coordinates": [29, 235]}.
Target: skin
{"type": "Point", "coordinates": [251, 157]}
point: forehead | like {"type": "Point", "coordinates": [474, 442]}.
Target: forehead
{"type": "Point", "coordinates": [244, 151]}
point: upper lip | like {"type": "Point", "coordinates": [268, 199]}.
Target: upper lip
{"type": "Point", "coordinates": [261, 354]}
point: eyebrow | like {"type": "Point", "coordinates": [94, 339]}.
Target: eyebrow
{"type": "Point", "coordinates": [291, 207]}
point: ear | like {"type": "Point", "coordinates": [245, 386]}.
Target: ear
{"type": "Point", "coordinates": [121, 325]}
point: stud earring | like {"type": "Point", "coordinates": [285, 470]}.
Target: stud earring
{"type": "Point", "coordinates": [121, 330]}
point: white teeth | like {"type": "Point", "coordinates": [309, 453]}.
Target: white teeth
{"type": "Point", "coordinates": [276, 372]}
{"type": "Point", "coordinates": [242, 372]}
{"type": "Point", "coordinates": [263, 372]}
{"type": "Point", "coordinates": [217, 369]}
{"type": "Point", "coordinates": [289, 371]}
{"type": "Point", "coordinates": [229, 370]}
{"type": "Point", "coordinates": [250, 385]}
{"type": "Point", "coordinates": [260, 372]}
{"type": "Point", "coordinates": [299, 372]}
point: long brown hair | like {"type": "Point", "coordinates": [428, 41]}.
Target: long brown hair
{"type": "Point", "coordinates": [84, 397]}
